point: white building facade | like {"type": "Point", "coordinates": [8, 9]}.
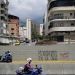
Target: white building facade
{"type": "Point", "coordinates": [61, 20]}
{"type": "Point", "coordinates": [22, 31]}
{"type": "Point", "coordinates": [41, 29]}
{"type": "Point", "coordinates": [3, 21]}
{"type": "Point", "coordinates": [28, 25]}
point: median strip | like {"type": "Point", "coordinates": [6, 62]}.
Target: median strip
{"type": "Point", "coordinates": [49, 61]}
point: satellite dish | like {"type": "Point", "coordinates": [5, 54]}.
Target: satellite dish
{"type": "Point", "coordinates": [5, 1]}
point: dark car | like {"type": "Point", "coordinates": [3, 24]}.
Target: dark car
{"type": "Point", "coordinates": [33, 40]}
{"type": "Point", "coordinates": [27, 41]}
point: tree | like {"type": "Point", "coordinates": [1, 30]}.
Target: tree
{"type": "Point", "coordinates": [34, 34]}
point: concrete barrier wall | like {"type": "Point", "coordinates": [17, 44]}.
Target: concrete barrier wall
{"type": "Point", "coordinates": [48, 68]}
{"type": "Point", "coordinates": [53, 52]}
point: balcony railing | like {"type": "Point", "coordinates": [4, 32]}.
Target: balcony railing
{"type": "Point", "coordinates": [63, 33]}
{"type": "Point", "coordinates": [63, 17]}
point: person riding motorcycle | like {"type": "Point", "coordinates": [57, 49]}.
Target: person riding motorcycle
{"type": "Point", "coordinates": [27, 66]}
{"type": "Point", "coordinates": [5, 56]}
{"type": "Point", "coordinates": [28, 70]}
{"type": "Point", "coordinates": [9, 53]}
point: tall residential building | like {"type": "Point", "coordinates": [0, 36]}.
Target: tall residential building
{"type": "Point", "coordinates": [31, 29]}
{"type": "Point", "coordinates": [3, 17]}
{"type": "Point", "coordinates": [13, 25]}
{"type": "Point", "coordinates": [45, 24]}
{"type": "Point", "coordinates": [41, 29]}
{"type": "Point", "coordinates": [61, 20]}
{"type": "Point", "coordinates": [28, 25]}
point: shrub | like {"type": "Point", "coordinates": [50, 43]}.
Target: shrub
{"type": "Point", "coordinates": [4, 43]}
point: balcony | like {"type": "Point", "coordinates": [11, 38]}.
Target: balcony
{"type": "Point", "coordinates": [6, 12]}
{"type": "Point", "coordinates": [62, 18]}
{"type": "Point", "coordinates": [68, 8]}
{"type": "Point", "coordinates": [6, 7]}
{"type": "Point", "coordinates": [2, 9]}
{"type": "Point", "coordinates": [56, 29]}
{"type": "Point", "coordinates": [62, 33]}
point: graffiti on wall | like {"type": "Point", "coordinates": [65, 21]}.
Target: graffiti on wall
{"type": "Point", "coordinates": [47, 55]}
{"type": "Point", "coordinates": [64, 55]}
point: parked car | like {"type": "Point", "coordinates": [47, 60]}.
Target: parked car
{"type": "Point", "coordinates": [33, 40]}
{"type": "Point", "coordinates": [17, 43]}
{"type": "Point", "coordinates": [27, 41]}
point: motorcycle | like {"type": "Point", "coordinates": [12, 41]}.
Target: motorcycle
{"type": "Point", "coordinates": [36, 71]}
{"type": "Point", "coordinates": [9, 59]}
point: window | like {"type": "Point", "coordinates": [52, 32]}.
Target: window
{"type": "Point", "coordinates": [58, 16]}
{"type": "Point", "coordinates": [72, 24]}
{"type": "Point", "coordinates": [12, 33]}
{"type": "Point", "coordinates": [2, 5]}
{"type": "Point", "coordinates": [70, 14]}
{"type": "Point", "coordinates": [6, 26]}
{"type": "Point", "coordinates": [2, 12]}
{"type": "Point", "coordinates": [12, 28]}
{"type": "Point", "coordinates": [59, 3]}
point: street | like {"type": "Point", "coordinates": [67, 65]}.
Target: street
{"type": "Point", "coordinates": [28, 44]}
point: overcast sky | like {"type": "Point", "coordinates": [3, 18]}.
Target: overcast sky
{"type": "Point", "coordinates": [27, 8]}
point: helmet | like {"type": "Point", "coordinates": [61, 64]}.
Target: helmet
{"type": "Point", "coordinates": [21, 69]}
{"type": "Point", "coordinates": [8, 51]}
{"type": "Point", "coordinates": [5, 52]}
{"type": "Point", "coordinates": [28, 59]}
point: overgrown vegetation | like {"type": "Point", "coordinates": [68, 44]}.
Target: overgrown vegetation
{"type": "Point", "coordinates": [45, 39]}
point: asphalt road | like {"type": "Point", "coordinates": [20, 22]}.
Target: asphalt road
{"type": "Point", "coordinates": [28, 44]}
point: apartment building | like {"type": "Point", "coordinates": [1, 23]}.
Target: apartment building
{"type": "Point", "coordinates": [28, 25]}
{"type": "Point", "coordinates": [3, 20]}
{"type": "Point", "coordinates": [61, 20]}
{"type": "Point", "coordinates": [31, 28]}
{"type": "Point", "coordinates": [13, 25]}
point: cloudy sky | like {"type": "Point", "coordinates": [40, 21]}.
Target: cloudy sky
{"type": "Point", "coordinates": [28, 9]}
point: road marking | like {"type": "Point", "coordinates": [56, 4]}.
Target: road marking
{"type": "Point", "coordinates": [50, 61]}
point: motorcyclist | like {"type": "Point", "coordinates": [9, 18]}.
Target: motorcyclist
{"type": "Point", "coordinates": [27, 66]}
{"type": "Point", "coordinates": [9, 53]}
{"type": "Point", "coordinates": [5, 56]}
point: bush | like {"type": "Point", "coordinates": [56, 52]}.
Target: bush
{"type": "Point", "coordinates": [4, 43]}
